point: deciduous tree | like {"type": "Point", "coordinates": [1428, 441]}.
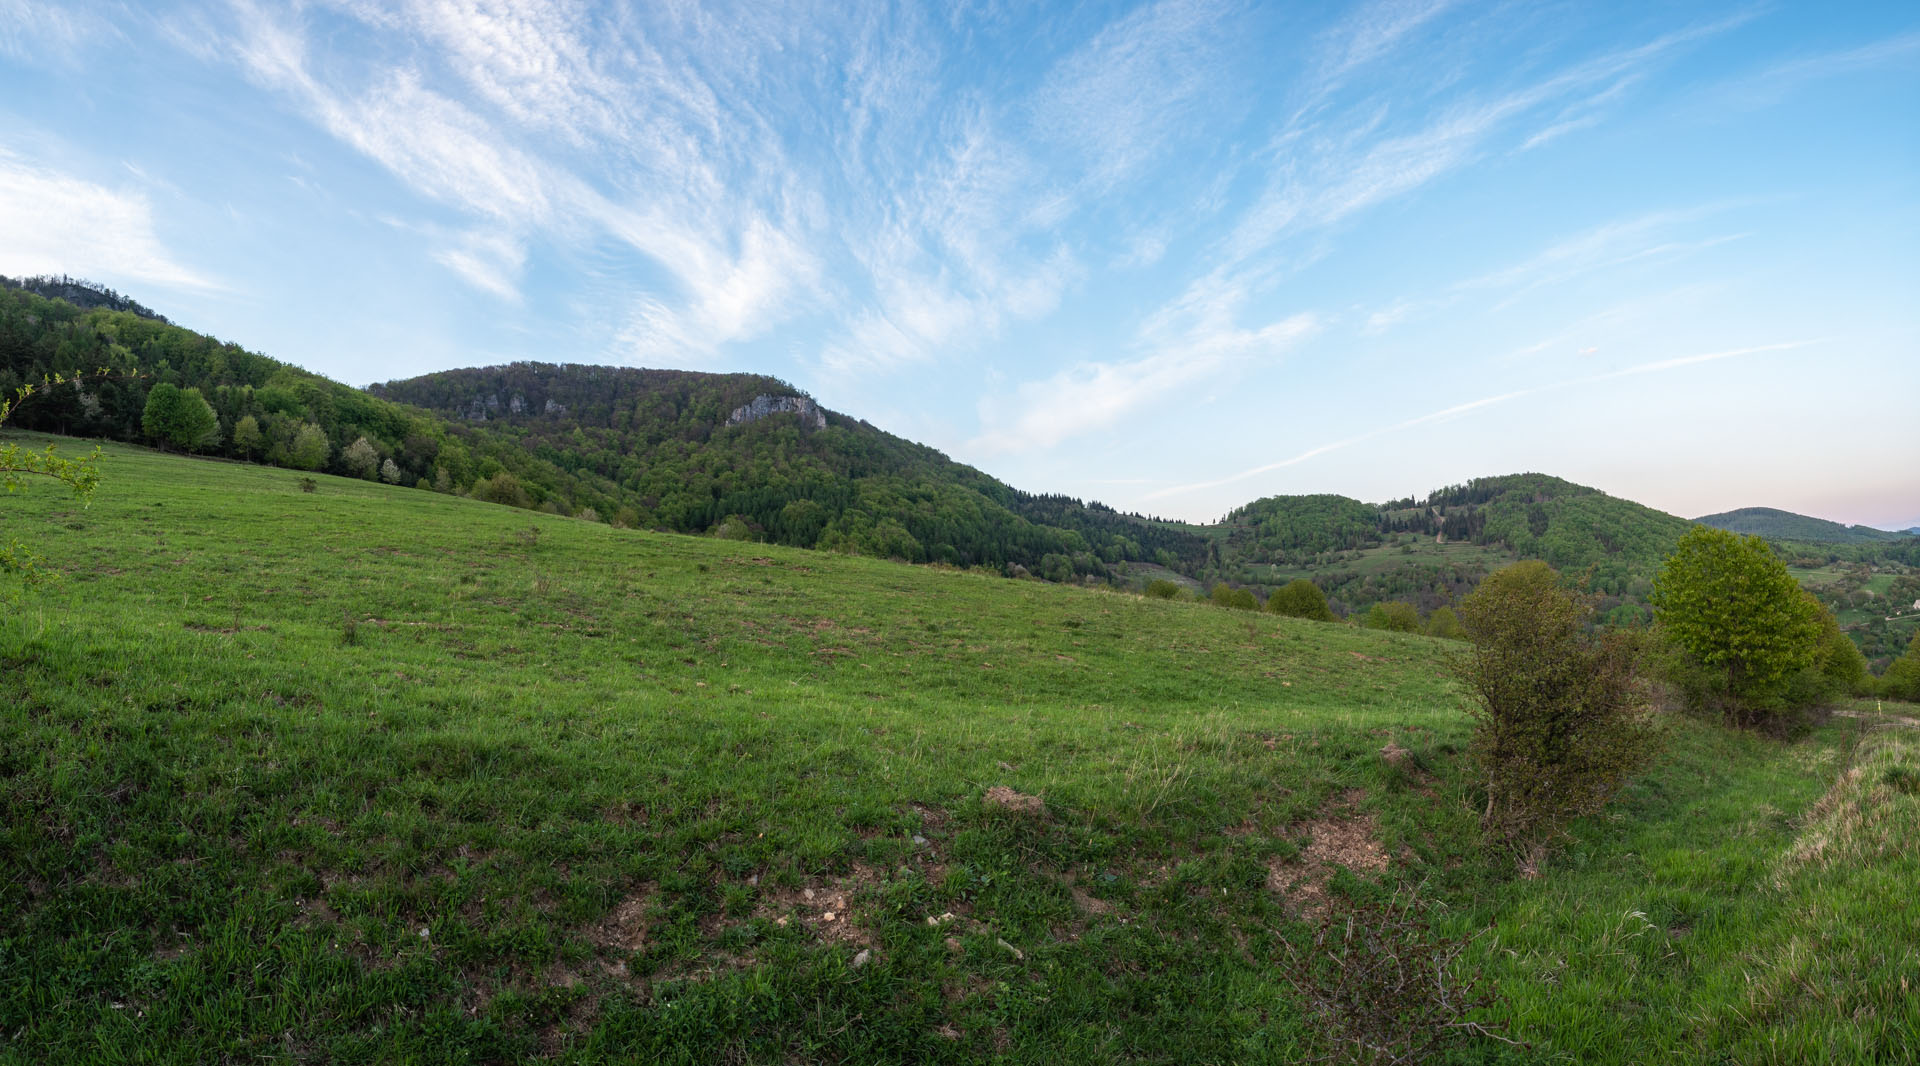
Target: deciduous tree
{"type": "Point", "coordinates": [360, 459]}
{"type": "Point", "coordinates": [1729, 605]}
{"type": "Point", "coordinates": [310, 449]}
{"type": "Point", "coordinates": [180, 417]}
{"type": "Point", "coordinates": [18, 466]}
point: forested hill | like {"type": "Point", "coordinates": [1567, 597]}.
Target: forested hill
{"type": "Point", "coordinates": [1434, 550]}
{"type": "Point", "coordinates": [85, 295]}
{"type": "Point", "coordinates": [749, 456]}
{"type": "Point", "coordinates": [1533, 516]}
{"type": "Point", "coordinates": [1785, 525]}
{"type": "Point", "coordinates": [733, 455]}
{"type": "Point", "coordinates": [116, 355]}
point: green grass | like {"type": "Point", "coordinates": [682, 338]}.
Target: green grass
{"type": "Point", "coordinates": [1390, 557]}
{"type": "Point", "coordinates": [375, 775]}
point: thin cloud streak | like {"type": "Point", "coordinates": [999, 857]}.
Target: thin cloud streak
{"type": "Point", "coordinates": [1458, 410]}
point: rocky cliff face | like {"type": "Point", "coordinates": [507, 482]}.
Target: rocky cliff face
{"type": "Point", "coordinates": [810, 414]}
{"type": "Point", "coordinates": [487, 406]}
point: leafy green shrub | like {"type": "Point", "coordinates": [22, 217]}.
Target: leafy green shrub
{"type": "Point", "coordinates": [1729, 604]}
{"type": "Point", "coordinates": [1445, 623]}
{"type": "Point", "coordinates": [1237, 599]}
{"type": "Point", "coordinates": [1558, 719]}
{"type": "Point", "coordinates": [501, 488]}
{"type": "Point", "coordinates": [1902, 679]}
{"type": "Point", "coordinates": [1393, 616]}
{"type": "Point", "coordinates": [18, 465]}
{"type": "Point", "coordinates": [1162, 589]}
{"type": "Point", "coordinates": [1300, 598]}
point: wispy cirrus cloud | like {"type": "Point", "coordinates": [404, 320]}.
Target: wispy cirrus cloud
{"type": "Point", "coordinates": [1633, 242]}
{"type": "Point", "coordinates": [1779, 79]}
{"type": "Point", "coordinates": [1460, 410]}
{"type": "Point", "coordinates": [54, 223]}
{"type": "Point", "coordinates": [48, 33]}
{"type": "Point", "coordinates": [1349, 161]}
{"type": "Point", "coordinates": [1199, 338]}
{"type": "Point", "coordinates": [538, 144]}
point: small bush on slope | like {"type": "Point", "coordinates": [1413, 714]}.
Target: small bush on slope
{"type": "Point", "coordinates": [1558, 720]}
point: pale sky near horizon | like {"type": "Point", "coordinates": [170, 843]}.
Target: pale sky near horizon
{"type": "Point", "coordinates": [1173, 256]}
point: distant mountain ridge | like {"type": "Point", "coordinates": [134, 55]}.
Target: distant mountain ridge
{"type": "Point", "coordinates": [1775, 524]}
{"type": "Point", "coordinates": [750, 457]}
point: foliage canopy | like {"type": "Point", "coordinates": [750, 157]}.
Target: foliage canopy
{"type": "Point", "coordinates": [1729, 604]}
{"type": "Point", "coordinates": [1300, 599]}
{"type": "Point", "coordinates": [1558, 722]}
{"type": "Point", "coordinates": [20, 465]}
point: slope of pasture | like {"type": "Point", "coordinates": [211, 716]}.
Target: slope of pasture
{"type": "Point", "coordinates": [373, 774]}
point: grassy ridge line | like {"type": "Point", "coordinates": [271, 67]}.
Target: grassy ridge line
{"type": "Point", "coordinates": [598, 768]}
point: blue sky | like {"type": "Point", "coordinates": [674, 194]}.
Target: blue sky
{"type": "Point", "coordinates": [1174, 256]}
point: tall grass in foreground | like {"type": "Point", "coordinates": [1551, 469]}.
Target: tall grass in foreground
{"type": "Point", "coordinates": [373, 775]}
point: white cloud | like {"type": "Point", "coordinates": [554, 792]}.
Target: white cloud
{"type": "Point", "coordinates": [40, 32]}
{"type": "Point", "coordinates": [490, 262]}
{"type": "Point", "coordinates": [649, 177]}
{"type": "Point", "coordinates": [1370, 33]}
{"type": "Point", "coordinates": [1195, 339]}
{"type": "Point", "coordinates": [52, 223]}
{"type": "Point", "coordinates": [1320, 178]}
{"type": "Point", "coordinates": [1117, 100]}
{"type": "Point", "coordinates": [1652, 237]}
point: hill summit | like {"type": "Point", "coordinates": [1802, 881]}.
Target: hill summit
{"type": "Point", "coordinates": [1775, 524]}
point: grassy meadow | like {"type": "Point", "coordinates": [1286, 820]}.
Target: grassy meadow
{"type": "Point", "coordinates": [374, 775]}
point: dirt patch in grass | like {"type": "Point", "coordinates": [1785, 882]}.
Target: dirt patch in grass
{"type": "Point", "coordinates": [1007, 799]}
{"type": "Point", "coordinates": [1346, 838]}
{"type": "Point", "coordinates": [1087, 901]}
{"type": "Point", "coordinates": [625, 928]}
{"type": "Point", "coordinates": [824, 907]}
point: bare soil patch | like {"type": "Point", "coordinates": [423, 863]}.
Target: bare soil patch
{"type": "Point", "coordinates": [625, 929]}
{"type": "Point", "coordinates": [1018, 802]}
{"type": "Point", "coordinates": [1345, 839]}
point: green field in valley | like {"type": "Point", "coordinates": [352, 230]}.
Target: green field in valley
{"type": "Point", "coordinates": [371, 774]}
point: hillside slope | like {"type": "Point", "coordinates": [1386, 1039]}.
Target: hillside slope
{"type": "Point", "coordinates": [752, 458]}
{"type": "Point", "coordinates": [1785, 525]}
{"type": "Point", "coordinates": [1433, 550]}
{"type": "Point", "coordinates": [115, 353]}
{"type": "Point", "coordinates": [370, 774]}
{"type": "Point", "coordinates": [659, 449]}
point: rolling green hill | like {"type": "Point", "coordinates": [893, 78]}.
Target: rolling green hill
{"type": "Point", "coordinates": [1434, 550]}
{"type": "Point", "coordinates": [751, 457]}
{"type": "Point", "coordinates": [661, 449]}
{"type": "Point", "coordinates": [1785, 525]}
{"type": "Point", "coordinates": [369, 774]}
